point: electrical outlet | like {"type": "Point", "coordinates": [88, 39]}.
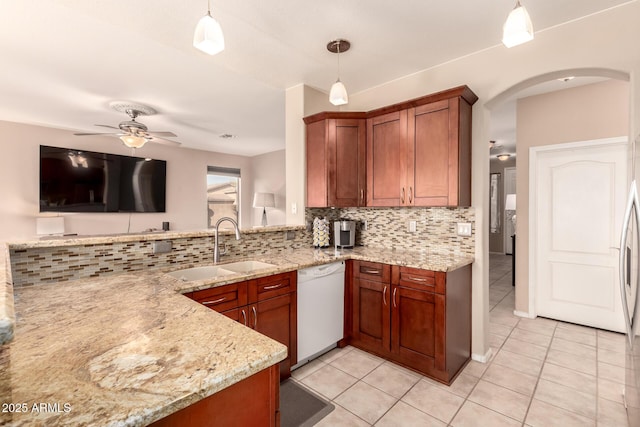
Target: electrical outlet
{"type": "Point", "coordinates": [289, 235]}
{"type": "Point", "coordinates": [364, 225]}
{"type": "Point", "coordinates": [412, 226]}
{"type": "Point", "coordinates": [464, 229]}
{"type": "Point", "coordinates": [162, 247]}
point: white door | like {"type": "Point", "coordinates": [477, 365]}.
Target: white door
{"type": "Point", "coordinates": [578, 197]}
{"type": "Point", "coordinates": [509, 229]}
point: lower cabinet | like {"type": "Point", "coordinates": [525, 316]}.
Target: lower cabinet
{"type": "Point", "coordinates": [267, 304]}
{"type": "Point", "coordinates": [253, 401]}
{"type": "Point", "coordinates": [417, 318]}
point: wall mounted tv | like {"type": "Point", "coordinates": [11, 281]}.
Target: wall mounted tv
{"type": "Point", "coordinates": [85, 181]}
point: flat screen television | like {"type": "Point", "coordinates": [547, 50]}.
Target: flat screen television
{"type": "Point", "coordinates": [86, 181]}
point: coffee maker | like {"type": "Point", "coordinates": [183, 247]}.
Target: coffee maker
{"type": "Point", "coordinates": [344, 233]}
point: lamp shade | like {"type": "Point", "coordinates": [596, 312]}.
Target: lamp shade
{"type": "Point", "coordinates": [338, 94]}
{"type": "Point", "coordinates": [264, 200]}
{"type": "Point", "coordinates": [510, 203]}
{"type": "Point", "coordinates": [208, 36]}
{"type": "Point", "coordinates": [517, 28]}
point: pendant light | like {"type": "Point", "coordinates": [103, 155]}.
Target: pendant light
{"type": "Point", "coordinates": [208, 36]}
{"type": "Point", "coordinates": [517, 28]}
{"type": "Point", "coordinates": [338, 94]}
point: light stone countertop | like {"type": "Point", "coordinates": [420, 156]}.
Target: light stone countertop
{"type": "Point", "coordinates": [71, 240]}
{"type": "Point", "coordinates": [128, 349]}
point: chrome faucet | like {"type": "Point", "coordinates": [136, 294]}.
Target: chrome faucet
{"type": "Point", "coordinates": [216, 249]}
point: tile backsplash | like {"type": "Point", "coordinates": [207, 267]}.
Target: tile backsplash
{"type": "Point", "coordinates": [388, 227]}
{"type": "Point", "coordinates": [38, 265]}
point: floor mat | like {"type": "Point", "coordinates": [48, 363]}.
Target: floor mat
{"type": "Point", "coordinates": [299, 407]}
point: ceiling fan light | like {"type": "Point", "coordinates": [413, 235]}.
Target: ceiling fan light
{"type": "Point", "coordinates": [133, 141]}
{"type": "Point", "coordinates": [517, 28]}
{"type": "Point", "coordinates": [208, 36]}
{"type": "Point", "coordinates": [338, 94]}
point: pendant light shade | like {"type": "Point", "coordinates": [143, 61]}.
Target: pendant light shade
{"type": "Point", "coordinates": [338, 94]}
{"type": "Point", "coordinates": [518, 28]}
{"type": "Point", "coordinates": [208, 36]}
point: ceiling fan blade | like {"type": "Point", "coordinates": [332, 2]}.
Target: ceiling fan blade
{"type": "Point", "coordinates": [88, 134]}
{"type": "Point", "coordinates": [162, 134]}
{"type": "Point", "coordinates": [164, 141]}
{"type": "Point", "coordinates": [108, 126]}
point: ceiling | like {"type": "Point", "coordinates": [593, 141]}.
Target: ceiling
{"type": "Point", "coordinates": [63, 61]}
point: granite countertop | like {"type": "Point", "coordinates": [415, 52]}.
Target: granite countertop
{"type": "Point", "coordinates": [73, 240]}
{"type": "Point", "coordinates": [129, 349]}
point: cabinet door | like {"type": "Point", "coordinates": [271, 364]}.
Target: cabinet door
{"type": "Point", "coordinates": [276, 318]}
{"type": "Point", "coordinates": [433, 154]}
{"type": "Point", "coordinates": [346, 144]}
{"type": "Point", "coordinates": [418, 328]}
{"type": "Point", "coordinates": [317, 165]}
{"type": "Point", "coordinates": [371, 315]}
{"type": "Point", "coordinates": [386, 159]}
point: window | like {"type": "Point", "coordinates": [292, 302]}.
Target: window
{"type": "Point", "coordinates": [223, 195]}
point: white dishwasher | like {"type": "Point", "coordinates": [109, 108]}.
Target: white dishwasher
{"type": "Point", "coordinates": [320, 310]}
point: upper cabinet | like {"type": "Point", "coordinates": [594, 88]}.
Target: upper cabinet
{"type": "Point", "coordinates": [336, 160]}
{"type": "Point", "coordinates": [428, 143]}
{"type": "Point", "coordinates": [418, 153]}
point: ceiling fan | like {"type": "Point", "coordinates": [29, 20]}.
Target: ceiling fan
{"type": "Point", "coordinates": [131, 132]}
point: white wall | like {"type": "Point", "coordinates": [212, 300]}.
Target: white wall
{"type": "Point", "coordinates": [606, 40]}
{"type": "Point", "coordinates": [269, 177]}
{"type": "Point", "coordinates": [186, 183]}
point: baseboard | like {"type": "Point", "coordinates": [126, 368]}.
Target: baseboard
{"type": "Point", "coordinates": [482, 358]}
{"type": "Point", "coordinates": [523, 314]}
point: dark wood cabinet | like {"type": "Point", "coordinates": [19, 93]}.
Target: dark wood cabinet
{"type": "Point", "coordinates": [426, 143]}
{"type": "Point", "coordinates": [417, 318]}
{"type": "Point", "coordinates": [254, 401]}
{"type": "Point", "coordinates": [336, 159]}
{"type": "Point", "coordinates": [267, 304]}
{"type": "Point", "coordinates": [386, 159]}
{"type": "Point", "coordinates": [415, 153]}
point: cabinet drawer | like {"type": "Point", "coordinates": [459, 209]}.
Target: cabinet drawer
{"type": "Point", "coordinates": [272, 286]}
{"type": "Point", "coordinates": [223, 298]}
{"type": "Point", "coordinates": [371, 271]}
{"type": "Point", "coordinates": [419, 279]}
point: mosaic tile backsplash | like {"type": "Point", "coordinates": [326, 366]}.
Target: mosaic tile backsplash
{"type": "Point", "coordinates": [51, 264]}
{"type": "Point", "coordinates": [386, 228]}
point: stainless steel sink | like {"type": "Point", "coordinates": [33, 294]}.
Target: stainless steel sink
{"type": "Point", "coordinates": [200, 273]}
{"type": "Point", "coordinates": [246, 266]}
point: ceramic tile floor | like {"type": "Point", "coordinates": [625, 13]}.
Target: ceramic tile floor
{"type": "Point", "coordinates": [542, 373]}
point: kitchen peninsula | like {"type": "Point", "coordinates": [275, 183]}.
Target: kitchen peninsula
{"type": "Point", "coordinates": [126, 348]}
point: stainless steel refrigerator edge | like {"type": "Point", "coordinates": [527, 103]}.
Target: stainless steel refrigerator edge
{"type": "Point", "coordinates": [629, 281]}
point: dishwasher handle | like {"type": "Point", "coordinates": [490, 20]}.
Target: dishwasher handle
{"type": "Point", "coordinates": [320, 271]}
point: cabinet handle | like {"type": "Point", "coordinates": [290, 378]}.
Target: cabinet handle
{"type": "Point", "coordinates": [417, 279]}
{"type": "Point", "coordinates": [213, 302]}
{"type": "Point", "coordinates": [376, 272]}
{"type": "Point", "coordinates": [384, 296]}
{"type": "Point", "coordinates": [394, 297]}
{"type": "Point", "coordinates": [244, 316]}
{"type": "Point", "coordinates": [402, 196]}
{"type": "Point", "coordinates": [362, 195]}
{"type": "Point", "coordinates": [255, 317]}
{"type": "Point", "coordinates": [267, 288]}
{"type": "Point", "coordinates": [410, 194]}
